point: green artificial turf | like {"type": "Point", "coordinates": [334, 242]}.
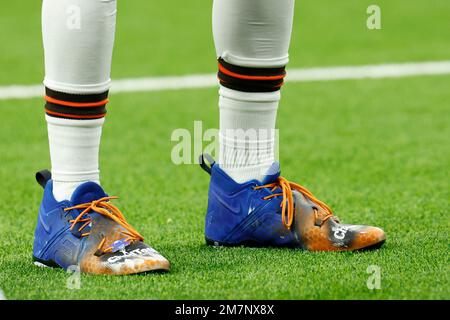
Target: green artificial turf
{"type": "Point", "coordinates": [377, 151]}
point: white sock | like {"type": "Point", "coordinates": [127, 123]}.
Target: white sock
{"type": "Point", "coordinates": [247, 133]}
{"type": "Point", "coordinates": [74, 148]}
{"type": "Point", "coordinates": [78, 37]}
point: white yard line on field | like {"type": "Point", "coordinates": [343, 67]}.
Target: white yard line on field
{"type": "Point", "coordinates": [294, 75]}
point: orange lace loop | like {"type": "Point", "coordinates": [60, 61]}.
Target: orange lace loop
{"type": "Point", "coordinates": [105, 208]}
{"type": "Point", "coordinates": [287, 216]}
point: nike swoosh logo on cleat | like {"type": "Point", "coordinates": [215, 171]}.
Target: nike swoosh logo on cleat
{"type": "Point", "coordinates": [234, 209]}
{"type": "Point", "coordinates": [46, 227]}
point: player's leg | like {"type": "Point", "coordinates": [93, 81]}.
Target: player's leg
{"type": "Point", "coordinates": [78, 41]}
{"type": "Point", "coordinates": [77, 223]}
{"type": "Point", "coordinates": [252, 40]}
{"type": "Point", "coordinates": [249, 202]}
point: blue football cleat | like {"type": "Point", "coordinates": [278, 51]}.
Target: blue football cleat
{"type": "Point", "coordinates": [89, 232]}
{"type": "Point", "coordinates": [276, 212]}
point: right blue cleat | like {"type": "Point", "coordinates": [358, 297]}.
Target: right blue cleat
{"type": "Point", "coordinates": [89, 232]}
{"type": "Point", "coordinates": [276, 212]}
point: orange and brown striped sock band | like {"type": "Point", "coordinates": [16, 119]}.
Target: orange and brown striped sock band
{"type": "Point", "coordinates": [250, 79]}
{"type": "Point", "coordinates": [75, 106]}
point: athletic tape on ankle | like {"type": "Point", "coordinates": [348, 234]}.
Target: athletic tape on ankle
{"type": "Point", "coordinates": [75, 106]}
{"type": "Point", "coordinates": [250, 79]}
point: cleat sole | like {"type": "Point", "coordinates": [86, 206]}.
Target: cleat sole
{"type": "Point", "coordinates": [374, 246]}
{"type": "Point", "coordinates": [254, 244]}
{"type": "Point", "coordinates": [249, 243]}
{"type": "Point", "coordinates": [44, 264]}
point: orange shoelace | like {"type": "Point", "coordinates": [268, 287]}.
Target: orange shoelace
{"type": "Point", "coordinates": [105, 208]}
{"type": "Point", "coordinates": [287, 216]}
